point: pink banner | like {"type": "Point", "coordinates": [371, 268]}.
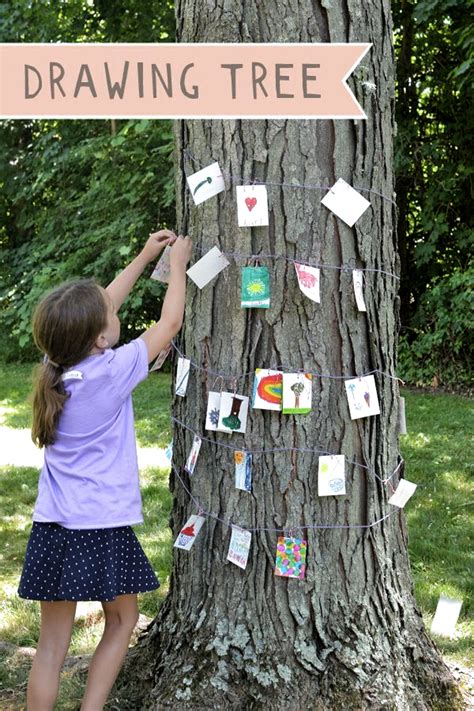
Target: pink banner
{"type": "Point", "coordinates": [179, 80]}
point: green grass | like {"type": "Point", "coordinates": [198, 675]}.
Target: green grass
{"type": "Point", "coordinates": [438, 452]}
{"type": "Point", "coordinates": [440, 527]}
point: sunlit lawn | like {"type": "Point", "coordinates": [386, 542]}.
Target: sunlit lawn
{"type": "Point", "coordinates": [437, 452]}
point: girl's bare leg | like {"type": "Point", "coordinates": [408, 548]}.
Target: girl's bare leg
{"type": "Point", "coordinates": [57, 620]}
{"type": "Point", "coordinates": [121, 616]}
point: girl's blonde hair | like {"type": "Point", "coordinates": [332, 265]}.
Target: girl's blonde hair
{"type": "Point", "coordinates": [66, 324]}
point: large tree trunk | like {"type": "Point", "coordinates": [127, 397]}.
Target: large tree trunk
{"type": "Point", "coordinates": [349, 635]}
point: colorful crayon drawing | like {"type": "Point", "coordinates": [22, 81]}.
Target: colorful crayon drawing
{"type": "Point", "coordinates": [308, 281]}
{"type": "Point", "coordinates": [252, 205]}
{"type": "Point", "coordinates": [243, 470]}
{"type": "Point", "coordinates": [291, 557]}
{"type": "Point", "coordinates": [189, 532]}
{"type": "Point", "coordinates": [267, 389]}
{"type": "Point", "coordinates": [255, 291]}
{"type": "Point", "coordinates": [362, 397]}
{"type": "Point", "coordinates": [233, 413]}
{"type": "Point", "coordinates": [297, 393]}
{"type": "Point", "coordinates": [239, 547]}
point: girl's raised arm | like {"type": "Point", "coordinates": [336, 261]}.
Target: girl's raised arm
{"type": "Point", "coordinates": [160, 334]}
{"type": "Point", "coordinates": [122, 285]}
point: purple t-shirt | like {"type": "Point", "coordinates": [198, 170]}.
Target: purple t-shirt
{"type": "Point", "coordinates": [90, 473]}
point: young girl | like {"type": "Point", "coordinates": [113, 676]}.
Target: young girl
{"type": "Point", "coordinates": [82, 546]}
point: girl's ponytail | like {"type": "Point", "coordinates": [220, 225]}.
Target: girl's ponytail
{"type": "Point", "coordinates": [49, 397]}
{"type": "Point", "coordinates": [66, 324]}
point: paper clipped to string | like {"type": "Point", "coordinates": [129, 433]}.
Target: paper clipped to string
{"type": "Point", "coordinates": [243, 470]}
{"type": "Point", "coordinates": [163, 268]}
{"type": "Point", "coordinates": [345, 202]}
{"type": "Point", "coordinates": [331, 475]}
{"type": "Point", "coordinates": [308, 281]}
{"type": "Point", "coordinates": [252, 205]}
{"type": "Point", "coordinates": [267, 389]}
{"type": "Point", "coordinates": [189, 532]}
{"type": "Point", "coordinates": [403, 493]}
{"type": "Point", "coordinates": [233, 413]}
{"type": "Point", "coordinates": [255, 289]}
{"type": "Point", "coordinates": [362, 397]}
{"type": "Point", "coordinates": [290, 559]}
{"type": "Point", "coordinates": [206, 183]}
{"type": "Point", "coordinates": [297, 393]}
{"type": "Point", "coordinates": [162, 356]}
{"type": "Point", "coordinates": [182, 376]}
{"type": "Point", "coordinates": [193, 455]}
{"type": "Point", "coordinates": [358, 283]}
{"type": "Point", "coordinates": [239, 547]}
{"type": "Point", "coordinates": [208, 267]}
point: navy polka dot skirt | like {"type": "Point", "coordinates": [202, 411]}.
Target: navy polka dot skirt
{"type": "Point", "coordinates": [95, 564]}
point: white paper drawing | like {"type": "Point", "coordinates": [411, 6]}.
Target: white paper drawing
{"type": "Point", "coordinates": [267, 389]}
{"type": "Point", "coordinates": [182, 376]}
{"type": "Point", "coordinates": [239, 547]}
{"type": "Point", "coordinates": [189, 532]}
{"type": "Point", "coordinates": [252, 205]}
{"type": "Point", "coordinates": [193, 455]}
{"type": "Point", "coordinates": [243, 470]}
{"type": "Point", "coordinates": [345, 202]}
{"type": "Point", "coordinates": [362, 397]}
{"type": "Point", "coordinates": [401, 422]}
{"type": "Point", "coordinates": [162, 356]}
{"type": "Point", "coordinates": [297, 393]}
{"type": "Point", "coordinates": [162, 269]}
{"type": "Point", "coordinates": [213, 409]}
{"type": "Point", "coordinates": [206, 183]}
{"type": "Point", "coordinates": [233, 413]}
{"type": "Point", "coordinates": [308, 280]}
{"type": "Point", "coordinates": [331, 475]}
{"type": "Point", "coordinates": [209, 266]}
{"type": "Point", "coordinates": [403, 492]}
{"type": "Point", "coordinates": [446, 616]}
{"type": "Point", "coordinates": [358, 282]}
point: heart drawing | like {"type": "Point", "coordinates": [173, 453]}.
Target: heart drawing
{"type": "Point", "coordinates": [250, 202]}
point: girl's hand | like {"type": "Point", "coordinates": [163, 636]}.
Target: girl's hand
{"type": "Point", "coordinates": [181, 252]}
{"type": "Point", "coordinates": [156, 242]}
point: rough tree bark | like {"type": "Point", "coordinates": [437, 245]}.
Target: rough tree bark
{"type": "Point", "coordinates": [349, 635]}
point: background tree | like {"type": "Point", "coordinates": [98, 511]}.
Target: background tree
{"type": "Point", "coordinates": [434, 41]}
{"type": "Point", "coordinates": [350, 635]}
{"type": "Point", "coordinates": [79, 197]}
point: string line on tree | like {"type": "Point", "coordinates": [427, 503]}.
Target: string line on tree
{"type": "Point", "coordinates": [346, 267]}
{"type": "Point", "coordinates": [303, 186]}
{"type": "Point", "coordinates": [311, 450]}
{"type": "Point", "coordinates": [306, 526]}
{"type": "Point", "coordinates": [283, 368]}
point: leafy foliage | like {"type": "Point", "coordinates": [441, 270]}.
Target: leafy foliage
{"type": "Point", "coordinates": [82, 208]}
{"type": "Point", "coordinates": [439, 350]}
{"type": "Point", "coordinates": [79, 198]}
{"type": "Point", "coordinates": [434, 41]}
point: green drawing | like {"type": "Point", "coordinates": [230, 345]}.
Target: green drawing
{"type": "Point", "coordinates": [203, 182]}
{"type": "Point", "coordinates": [232, 421]}
{"type": "Point", "coordinates": [255, 292]}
